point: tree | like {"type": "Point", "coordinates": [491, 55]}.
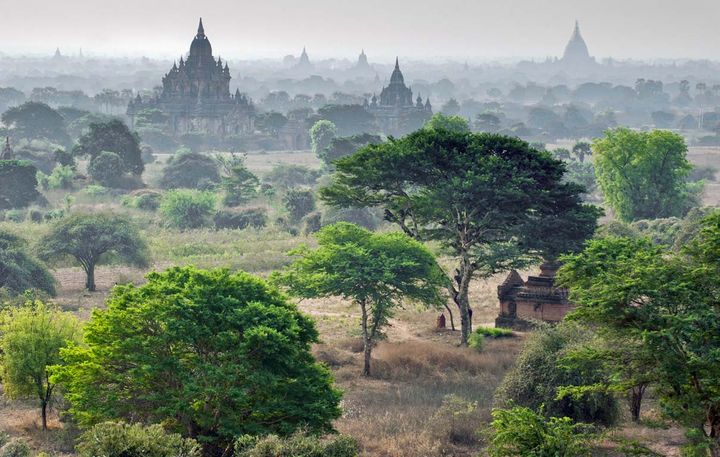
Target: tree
{"type": "Point", "coordinates": [298, 444]}
{"type": "Point", "coordinates": [117, 439]}
{"type": "Point", "coordinates": [239, 183]}
{"type": "Point", "coordinates": [450, 108]}
{"type": "Point", "coordinates": [34, 120]}
{"type": "Point", "coordinates": [190, 170]}
{"type": "Point", "coordinates": [666, 303]}
{"type": "Point", "coordinates": [376, 271]}
{"type": "Point", "coordinates": [209, 353]}
{"type": "Point", "coordinates": [321, 134]}
{"type": "Point", "coordinates": [349, 119]}
{"type": "Point", "coordinates": [643, 174]}
{"type": "Point", "coordinates": [271, 122]}
{"type": "Point", "coordinates": [32, 337]}
{"type": "Point", "coordinates": [491, 201]}
{"type": "Point", "coordinates": [581, 150]}
{"type": "Point", "coordinates": [106, 168]}
{"type": "Point", "coordinates": [487, 122]}
{"type": "Point", "coordinates": [18, 270]}
{"type": "Point", "coordinates": [290, 175]}
{"type": "Point", "coordinates": [452, 123]}
{"type": "Point", "coordinates": [345, 146]}
{"type": "Point", "coordinates": [18, 184]}
{"type": "Point", "coordinates": [299, 203]}
{"type": "Point", "coordinates": [187, 209]}
{"type": "Point", "coordinates": [113, 136]}
{"type": "Point", "coordinates": [93, 239]}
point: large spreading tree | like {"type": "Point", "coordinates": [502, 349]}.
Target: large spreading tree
{"type": "Point", "coordinates": [210, 354]}
{"type": "Point", "coordinates": [36, 120]}
{"type": "Point", "coordinates": [643, 175]}
{"type": "Point", "coordinates": [492, 202]}
{"type": "Point", "coordinates": [92, 239]}
{"type": "Point", "coordinates": [113, 136]}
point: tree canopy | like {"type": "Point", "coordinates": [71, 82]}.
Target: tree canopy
{"type": "Point", "coordinates": [35, 120]}
{"type": "Point", "coordinates": [643, 175]}
{"type": "Point", "coordinates": [491, 201]}
{"type": "Point", "coordinates": [18, 184]}
{"type": "Point", "coordinates": [114, 136]}
{"type": "Point", "coordinates": [211, 354]}
{"type": "Point", "coordinates": [19, 271]}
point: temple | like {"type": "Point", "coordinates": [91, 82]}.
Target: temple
{"type": "Point", "coordinates": [537, 299]}
{"type": "Point", "coordinates": [395, 111]}
{"type": "Point", "coordinates": [7, 151]}
{"type": "Point", "coordinates": [576, 52]}
{"type": "Point", "coordinates": [196, 95]}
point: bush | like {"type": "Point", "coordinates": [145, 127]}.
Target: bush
{"type": "Point", "coordinates": [299, 203]}
{"type": "Point", "coordinates": [494, 332]}
{"type": "Point", "coordinates": [297, 445]}
{"type": "Point", "coordinates": [18, 184]}
{"type": "Point", "coordinates": [290, 175]}
{"type": "Point", "coordinates": [94, 190]}
{"type": "Point", "coordinates": [187, 209]}
{"type": "Point", "coordinates": [522, 432]}
{"type": "Point", "coordinates": [538, 375]}
{"type": "Point", "coordinates": [476, 341]}
{"type": "Point", "coordinates": [15, 448]}
{"type": "Point", "coordinates": [60, 178]}
{"type": "Point", "coordinates": [146, 200]}
{"type": "Point", "coordinates": [312, 223]}
{"type": "Point", "coordinates": [20, 271]}
{"type": "Point", "coordinates": [105, 168]}
{"type": "Point", "coordinates": [190, 170]}
{"type": "Point", "coordinates": [364, 217]}
{"type": "Point", "coordinates": [116, 439]}
{"type": "Point", "coordinates": [241, 219]}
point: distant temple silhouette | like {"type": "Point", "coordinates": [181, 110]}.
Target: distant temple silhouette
{"type": "Point", "coordinates": [576, 52]}
{"type": "Point", "coordinates": [196, 95]}
{"type": "Point", "coordinates": [395, 111]}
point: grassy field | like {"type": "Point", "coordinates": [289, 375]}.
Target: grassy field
{"type": "Point", "coordinates": [428, 397]}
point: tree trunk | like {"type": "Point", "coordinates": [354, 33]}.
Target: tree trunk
{"type": "Point", "coordinates": [367, 343]}
{"type": "Point", "coordinates": [43, 413]}
{"type": "Point", "coordinates": [636, 397]}
{"type": "Point", "coordinates": [462, 299]}
{"type": "Point", "coordinates": [90, 280]}
{"type": "Point", "coordinates": [452, 321]}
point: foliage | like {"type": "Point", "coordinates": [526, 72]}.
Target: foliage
{"type": "Point", "coordinates": [538, 376]}
{"type": "Point", "coordinates": [582, 173]}
{"type": "Point", "coordinates": [146, 200]}
{"type": "Point", "coordinates": [187, 209]}
{"type": "Point", "coordinates": [113, 136]}
{"type": "Point", "coordinates": [105, 168]}
{"type": "Point", "coordinates": [296, 445]}
{"type": "Point", "coordinates": [241, 219]}
{"type": "Point", "coordinates": [34, 120]}
{"type": "Point", "coordinates": [60, 178]}
{"type": "Point", "coordinates": [299, 203]}
{"type": "Point", "coordinates": [210, 354]}
{"type": "Point", "coordinates": [19, 271]}
{"type": "Point", "coordinates": [15, 448]}
{"type": "Point", "coordinates": [271, 122]}
{"type": "Point", "coordinates": [117, 439]}
{"type": "Point", "coordinates": [32, 337]}
{"type": "Point", "coordinates": [490, 201]}
{"type": "Point", "coordinates": [666, 303]}
{"type": "Point", "coordinates": [643, 174]}
{"type": "Point", "coordinates": [348, 119]}
{"type": "Point", "coordinates": [378, 272]}
{"type": "Point", "coordinates": [190, 170]}
{"type": "Point", "coordinates": [494, 332]}
{"type": "Point", "coordinates": [522, 432]}
{"type": "Point", "coordinates": [321, 134]}
{"type": "Point", "coordinates": [364, 217]}
{"type": "Point", "coordinates": [92, 239]}
{"type": "Point", "coordinates": [239, 183]}
{"type": "Point", "coordinates": [452, 123]}
{"type": "Point", "coordinates": [345, 146]}
{"type": "Point", "coordinates": [18, 184]}
{"type": "Point", "coordinates": [287, 176]}
{"type": "Point", "coordinates": [476, 341]}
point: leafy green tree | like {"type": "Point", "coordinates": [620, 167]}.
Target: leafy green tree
{"type": "Point", "coordinates": [239, 183]}
{"type": "Point", "coordinates": [211, 354]}
{"type": "Point", "coordinates": [643, 174]}
{"type": "Point", "coordinates": [35, 120]}
{"type": "Point", "coordinates": [18, 184]}
{"type": "Point", "coordinates": [667, 303]}
{"type": "Point", "coordinates": [299, 203]}
{"type": "Point", "coordinates": [491, 201]}
{"type": "Point", "coordinates": [376, 271]}
{"type": "Point", "coordinates": [321, 134]}
{"type": "Point", "coordinates": [106, 168]}
{"type": "Point", "coordinates": [452, 123]}
{"type": "Point", "coordinates": [117, 439]}
{"type": "Point", "coordinates": [190, 170]}
{"type": "Point", "coordinates": [32, 337]}
{"type": "Point", "coordinates": [345, 146]}
{"type": "Point", "coordinates": [286, 176]}
{"type": "Point", "coordinates": [113, 136]}
{"type": "Point", "coordinates": [187, 209]}
{"type": "Point", "coordinates": [522, 432]}
{"type": "Point", "coordinates": [93, 239]}
{"type": "Point", "coordinates": [18, 270]}
{"type": "Point", "coordinates": [271, 122]}
{"type": "Point", "coordinates": [348, 119]}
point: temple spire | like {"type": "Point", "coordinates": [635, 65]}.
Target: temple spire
{"type": "Point", "coordinates": [201, 29]}
{"type": "Point", "coordinates": [397, 63]}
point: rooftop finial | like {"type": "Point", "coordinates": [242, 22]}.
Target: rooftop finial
{"type": "Point", "coordinates": [397, 63]}
{"type": "Point", "coordinates": [201, 29]}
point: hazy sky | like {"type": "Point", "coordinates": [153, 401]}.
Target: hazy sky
{"type": "Point", "coordinates": [475, 30]}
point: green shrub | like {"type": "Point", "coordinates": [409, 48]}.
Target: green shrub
{"type": "Point", "coordinates": [476, 341]}
{"type": "Point", "coordinates": [15, 215]}
{"type": "Point", "coordinates": [364, 217]}
{"type": "Point", "coordinates": [241, 219]}
{"type": "Point", "coordinates": [20, 271]}
{"type": "Point", "coordinates": [494, 332]}
{"type": "Point", "coordinates": [116, 439]}
{"type": "Point", "coordinates": [146, 200]}
{"type": "Point", "coordinates": [18, 184]}
{"type": "Point", "coordinates": [106, 168]}
{"type": "Point", "coordinates": [191, 171]}
{"type": "Point", "coordinates": [15, 448]}
{"type": "Point", "coordinates": [60, 178]}
{"type": "Point", "coordinates": [187, 209]}
{"type": "Point", "coordinates": [299, 203]}
{"type": "Point", "coordinates": [286, 176]}
{"type": "Point", "coordinates": [312, 223]}
{"type": "Point", "coordinates": [94, 190]}
{"type": "Point", "coordinates": [521, 432]}
{"type": "Point", "coordinates": [297, 445]}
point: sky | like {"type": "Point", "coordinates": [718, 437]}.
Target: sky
{"type": "Point", "coordinates": [466, 30]}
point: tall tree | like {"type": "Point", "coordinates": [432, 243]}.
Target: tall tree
{"type": "Point", "coordinates": [321, 134]}
{"type": "Point", "coordinates": [376, 271]}
{"type": "Point", "coordinates": [18, 184]}
{"type": "Point", "coordinates": [491, 201]}
{"type": "Point", "coordinates": [113, 136]}
{"type": "Point", "coordinates": [643, 175]}
{"type": "Point", "coordinates": [32, 337]}
{"type": "Point", "coordinates": [92, 239]}
{"type": "Point", "coordinates": [35, 120]}
{"type": "Point", "coordinates": [211, 354]}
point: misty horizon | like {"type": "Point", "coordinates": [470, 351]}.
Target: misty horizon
{"type": "Point", "coordinates": [478, 32]}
